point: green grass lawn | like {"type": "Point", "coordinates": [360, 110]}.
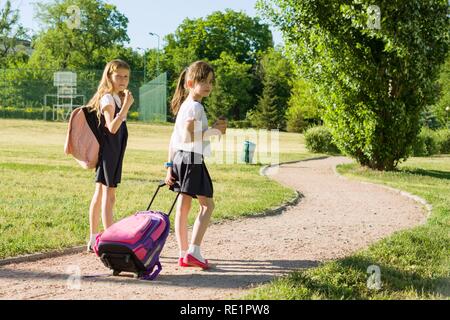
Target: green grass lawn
{"type": "Point", "coordinates": [415, 264]}
{"type": "Point", "coordinates": [45, 195]}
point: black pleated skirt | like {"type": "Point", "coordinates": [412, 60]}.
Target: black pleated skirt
{"type": "Point", "coordinates": [191, 174]}
{"type": "Point", "coordinates": [112, 151]}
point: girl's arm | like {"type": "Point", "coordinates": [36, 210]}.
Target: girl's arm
{"type": "Point", "coordinates": [113, 123]}
{"type": "Point", "coordinates": [169, 178]}
{"type": "Point", "coordinates": [170, 153]}
{"type": "Point", "coordinates": [189, 131]}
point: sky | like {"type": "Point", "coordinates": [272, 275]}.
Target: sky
{"type": "Point", "coordinates": [161, 17]}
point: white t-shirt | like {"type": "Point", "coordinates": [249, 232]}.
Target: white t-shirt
{"type": "Point", "coordinates": [191, 109]}
{"type": "Point", "coordinates": [108, 100]}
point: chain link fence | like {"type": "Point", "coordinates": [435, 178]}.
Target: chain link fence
{"type": "Point", "coordinates": [35, 93]}
{"type": "Point", "coordinates": [153, 100]}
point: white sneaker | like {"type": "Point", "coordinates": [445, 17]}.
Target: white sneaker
{"type": "Point", "coordinates": [89, 248]}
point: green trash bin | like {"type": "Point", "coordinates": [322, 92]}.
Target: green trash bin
{"type": "Point", "coordinates": [249, 151]}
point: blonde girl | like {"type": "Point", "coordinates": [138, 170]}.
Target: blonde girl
{"type": "Point", "coordinates": [111, 103]}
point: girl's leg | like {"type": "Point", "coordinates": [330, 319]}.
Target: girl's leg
{"type": "Point", "coordinates": [94, 215]}
{"type": "Point", "coordinates": [95, 208]}
{"type": "Point", "coordinates": [203, 218]}
{"type": "Point", "coordinates": [109, 199]}
{"type": "Point", "coordinates": [194, 256]}
{"type": "Point", "coordinates": [181, 222]}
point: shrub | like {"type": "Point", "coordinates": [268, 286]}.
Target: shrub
{"type": "Point", "coordinates": [427, 143]}
{"type": "Point", "coordinates": [419, 148]}
{"type": "Point", "coordinates": [320, 140]}
{"type": "Point", "coordinates": [25, 113]}
{"type": "Point", "coordinates": [303, 111]}
{"type": "Point", "coordinates": [133, 116]}
{"type": "Point", "coordinates": [444, 141]}
{"type": "Point", "coordinates": [240, 124]}
{"type": "Point", "coordinates": [294, 120]}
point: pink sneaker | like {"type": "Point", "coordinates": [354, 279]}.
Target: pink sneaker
{"type": "Point", "coordinates": [192, 261]}
{"type": "Point", "coordinates": [181, 263]}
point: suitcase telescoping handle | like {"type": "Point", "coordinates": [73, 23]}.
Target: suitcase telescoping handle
{"type": "Point", "coordinates": [162, 184]}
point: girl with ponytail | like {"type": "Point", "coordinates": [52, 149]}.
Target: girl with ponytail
{"type": "Point", "coordinates": [186, 169]}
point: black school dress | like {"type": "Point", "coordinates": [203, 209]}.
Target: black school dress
{"type": "Point", "coordinates": [191, 175]}
{"type": "Point", "coordinates": [112, 151]}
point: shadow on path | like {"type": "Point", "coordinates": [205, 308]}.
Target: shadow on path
{"type": "Point", "coordinates": [223, 274]}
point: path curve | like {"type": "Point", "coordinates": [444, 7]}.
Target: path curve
{"type": "Point", "coordinates": [334, 218]}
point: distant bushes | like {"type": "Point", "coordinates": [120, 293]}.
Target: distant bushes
{"type": "Point", "coordinates": [428, 142]}
{"type": "Point", "coordinates": [444, 141]}
{"type": "Point", "coordinates": [319, 139]}
{"type": "Point", "coordinates": [240, 124]}
{"type": "Point", "coordinates": [41, 113]}
{"type": "Point", "coordinates": [25, 113]}
{"type": "Point", "coordinates": [431, 142]}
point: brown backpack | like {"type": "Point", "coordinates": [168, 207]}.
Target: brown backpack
{"type": "Point", "coordinates": [84, 137]}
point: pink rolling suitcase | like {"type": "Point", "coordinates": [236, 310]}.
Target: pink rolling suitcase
{"type": "Point", "coordinates": [134, 244]}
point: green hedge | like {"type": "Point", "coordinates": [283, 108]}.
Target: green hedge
{"type": "Point", "coordinates": [38, 113]}
{"type": "Point", "coordinates": [25, 113]}
{"type": "Point", "coordinates": [430, 142]}
{"type": "Point", "coordinates": [444, 141]}
{"type": "Point", "coordinates": [319, 140]}
{"type": "Point", "coordinates": [240, 124]}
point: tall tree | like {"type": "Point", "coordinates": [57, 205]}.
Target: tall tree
{"type": "Point", "coordinates": [11, 33]}
{"type": "Point", "coordinates": [439, 109]}
{"type": "Point", "coordinates": [304, 109]}
{"type": "Point", "coordinates": [275, 72]}
{"type": "Point", "coordinates": [241, 38]}
{"type": "Point", "coordinates": [232, 32]}
{"type": "Point", "coordinates": [267, 114]}
{"type": "Point", "coordinates": [374, 74]}
{"type": "Point", "coordinates": [78, 39]}
{"type": "Point", "coordinates": [230, 96]}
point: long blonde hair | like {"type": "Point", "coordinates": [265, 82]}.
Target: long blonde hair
{"type": "Point", "coordinates": [106, 84]}
{"type": "Point", "coordinates": [197, 71]}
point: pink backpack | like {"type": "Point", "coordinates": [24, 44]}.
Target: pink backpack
{"type": "Point", "coordinates": [83, 139]}
{"type": "Point", "coordinates": [134, 244]}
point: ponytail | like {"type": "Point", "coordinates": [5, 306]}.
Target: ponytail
{"type": "Point", "coordinates": [180, 93]}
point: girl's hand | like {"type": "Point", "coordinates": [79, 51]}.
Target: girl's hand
{"type": "Point", "coordinates": [170, 180]}
{"type": "Point", "coordinates": [221, 125]}
{"type": "Point", "coordinates": [128, 99]}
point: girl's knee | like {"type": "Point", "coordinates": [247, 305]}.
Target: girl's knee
{"type": "Point", "coordinates": [207, 204]}
{"type": "Point", "coordinates": [208, 210]}
{"type": "Point", "coordinates": [112, 198]}
{"type": "Point", "coordinates": [205, 215]}
{"type": "Point", "coordinates": [109, 194]}
{"type": "Point", "coordinates": [98, 191]}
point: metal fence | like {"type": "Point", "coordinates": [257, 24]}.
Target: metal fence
{"type": "Point", "coordinates": [153, 100]}
{"type": "Point", "coordinates": [36, 93]}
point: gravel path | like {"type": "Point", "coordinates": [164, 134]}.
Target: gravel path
{"type": "Point", "coordinates": [334, 218]}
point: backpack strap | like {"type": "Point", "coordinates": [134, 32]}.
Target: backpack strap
{"type": "Point", "coordinates": [92, 121]}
